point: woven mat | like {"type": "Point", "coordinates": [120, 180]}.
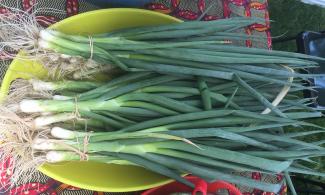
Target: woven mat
{"type": "Point", "coordinates": [183, 9]}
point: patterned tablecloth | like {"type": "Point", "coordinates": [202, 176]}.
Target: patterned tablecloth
{"type": "Point", "coordinates": [183, 9]}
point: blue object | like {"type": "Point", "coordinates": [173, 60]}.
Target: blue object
{"type": "Point", "coordinates": [119, 3]}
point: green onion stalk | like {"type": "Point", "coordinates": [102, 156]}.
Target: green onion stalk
{"type": "Point", "coordinates": [23, 34]}
{"type": "Point", "coordinates": [116, 103]}
{"type": "Point", "coordinates": [137, 97]}
{"type": "Point", "coordinates": [174, 145]}
{"type": "Point", "coordinates": [190, 49]}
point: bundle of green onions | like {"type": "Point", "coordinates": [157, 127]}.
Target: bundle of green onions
{"type": "Point", "coordinates": [136, 97]}
{"type": "Point", "coordinates": [186, 102]}
{"type": "Point", "coordinates": [164, 123]}
{"type": "Point", "coordinates": [172, 145]}
{"type": "Point", "coordinates": [192, 49]}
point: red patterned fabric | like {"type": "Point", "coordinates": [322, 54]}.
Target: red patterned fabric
{"type": "Point", "coordinates": [72, 7]}
{"type": "Point", "coordinates": [249, 6]}
{"type": "Point", "coordinates": [183, 9]}
{"type": "Point", "coordinates": [175, 10]}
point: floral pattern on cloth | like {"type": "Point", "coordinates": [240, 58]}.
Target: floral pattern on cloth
{"type": "Point", "coordinates": [184, 9]}
{"type": "Point", "coordinates": [216, 9]}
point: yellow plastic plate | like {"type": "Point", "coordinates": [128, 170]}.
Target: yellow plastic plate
{"type": "Point", "coordinates": [90, 175]}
